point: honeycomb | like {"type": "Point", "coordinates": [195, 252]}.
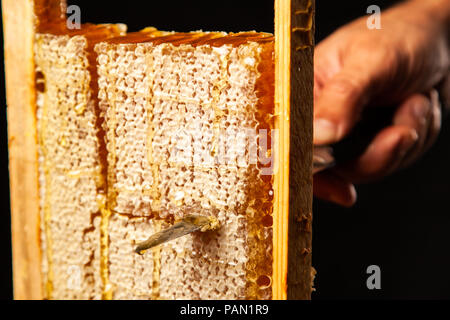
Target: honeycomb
{"type": "Point", "coordinates": [178, 110]}
{"type": "Point", "coordinates": [70, 167]}
{"type": "Point", "coordinates": [139, 132]}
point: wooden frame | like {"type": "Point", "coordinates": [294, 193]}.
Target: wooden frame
{"type": "Point", "coordinates": [18, 24]}
{"type": "Point", "coordinates": [19, 27]}
{"type": "Point", "coordinates": [294, 46]}
{"type": "Point", "coordinates": [294, 34]}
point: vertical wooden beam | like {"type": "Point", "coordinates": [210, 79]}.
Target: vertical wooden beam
{"type": "Point", "coordinates": [19, 24]}
{"type": "Point", "coordinates": [294, 42]}
{"type": "Point", "coordinates": [301, 147]}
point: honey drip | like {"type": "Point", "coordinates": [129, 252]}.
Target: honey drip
{"type": "Point", "coordinates": [156, 264]}
{"type": "Point", "coordinates": [46, 209]}
{"type": "Point", "coordinates": [216, 92]}
{"type": "Point", "coordinates": [154, 191]}
{"type": "Point", "coordinates": [110, 202]}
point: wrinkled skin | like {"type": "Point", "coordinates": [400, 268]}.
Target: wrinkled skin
{"type": "Point", "coordinates": [402, 64]}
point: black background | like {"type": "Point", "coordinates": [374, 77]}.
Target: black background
{"type": "Point", "coordinates": [401, 224]}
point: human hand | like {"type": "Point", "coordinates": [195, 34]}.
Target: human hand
{"type": "Point", "coordinates": [401, 64]}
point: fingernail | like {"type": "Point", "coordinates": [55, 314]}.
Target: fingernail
{"type": "Point", "coordinates": [408, 142]}
{"type": "Point", "coordinates": [353, 196]}
{"type": "Point", "coordinates": [324, 131]}
{"type": "Point", "coordinates": [421, 112]}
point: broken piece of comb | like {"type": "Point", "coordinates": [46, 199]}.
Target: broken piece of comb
{"type": "Point", "coordinates": [186, 225]}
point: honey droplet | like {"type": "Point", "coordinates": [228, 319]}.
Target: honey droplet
{"type": "Point", "coordinates": [264, 282]}
{"type": "Point", "coordinates": [63, 141]}
{"type": "Point", "coordinates": [79, 108]}
{"type": "Point", "coordinates": [267, 221]}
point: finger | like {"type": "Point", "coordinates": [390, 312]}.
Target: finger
{"type": "Point", "coordinates": [383, 156]}
{"type": "Point", "coordinates": [330, 187]}
{"type": "Point", "coordinates": [436, 120]}
{"type": "Point", "coordinates": [326, 61]}
{"type": "Point", "coordinates": [444, 92]}
{"type": "Point", "coordinates": [340, 102]}
{"type": "Point", "coordinates": [425, 115]}
{"type": "Point", "coordinates": [416, 113]}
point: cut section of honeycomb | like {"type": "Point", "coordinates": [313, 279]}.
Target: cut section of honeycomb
{"type": "Point", "coordinates": [139, 132]}
{"type": "Point", "coordinates": [71, 169]}
{"type": "Point", "coordinates": [180, 111]}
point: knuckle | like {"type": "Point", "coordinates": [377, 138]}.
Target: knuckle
{"type": "Point", "coordinates": [346, 86]}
